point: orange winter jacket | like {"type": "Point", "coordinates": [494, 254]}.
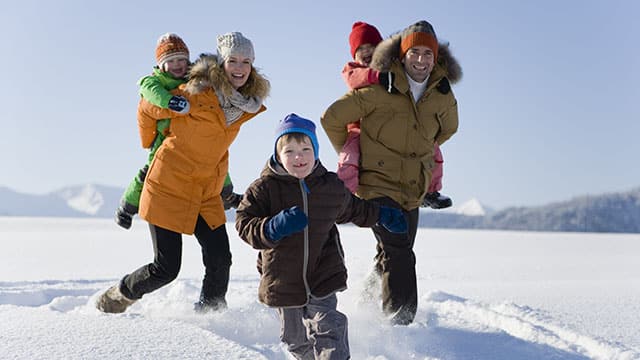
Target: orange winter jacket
{"type": "Point", "coordinates": [188, 170]}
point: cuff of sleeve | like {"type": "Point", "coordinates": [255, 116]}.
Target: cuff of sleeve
{"type": "Point", "coordinates": [374, 76]}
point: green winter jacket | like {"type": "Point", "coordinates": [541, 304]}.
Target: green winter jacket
{"type": "Point", "coordinates": [397, 135]}
{"type": "Point", "coordinates": [156, 88]}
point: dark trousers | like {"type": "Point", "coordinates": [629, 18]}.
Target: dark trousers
{"type": "Point", "coordinates": [167, 250]}
{"type": "Point", "coordinates": [316, 330]}
{"type": "Point", "coordinates": [396, 265]}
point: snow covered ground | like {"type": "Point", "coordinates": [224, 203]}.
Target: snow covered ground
{"type": "Point", "coordinates": [483, 295]}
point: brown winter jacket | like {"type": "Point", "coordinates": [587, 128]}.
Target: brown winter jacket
{"type": "Point", "coordinates": [397, 135]}
{"type": "Point", "coordinates": [310, 262]}
{"type": "Point", "coordinates": [188, 170]}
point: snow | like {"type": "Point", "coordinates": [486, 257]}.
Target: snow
{"type": "Point", "coordinates": [483, 295]}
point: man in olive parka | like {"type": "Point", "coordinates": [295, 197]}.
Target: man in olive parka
{"type": "Point", "coordinates": [399, 127]}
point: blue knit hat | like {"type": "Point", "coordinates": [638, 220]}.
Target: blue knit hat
{"type": "Point", "coordinates": [293, 123]}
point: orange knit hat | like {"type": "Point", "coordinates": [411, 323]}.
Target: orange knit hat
{"type": "Point", "coordinates": [170, 46]}
{"type": "Point", "coordinates": [420, 33]}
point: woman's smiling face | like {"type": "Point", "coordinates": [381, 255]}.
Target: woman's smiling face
{"type": "Point", "coordinates": [237, 69]}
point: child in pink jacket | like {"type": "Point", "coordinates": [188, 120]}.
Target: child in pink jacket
{"type": "Point", "coordinates": [363, 40]}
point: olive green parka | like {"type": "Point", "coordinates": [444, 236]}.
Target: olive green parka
{"type": "Point", "coordinates": [397, 135]}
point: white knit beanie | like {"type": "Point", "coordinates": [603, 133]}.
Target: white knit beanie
{"type": "Point", "coordinates": [234, 43]}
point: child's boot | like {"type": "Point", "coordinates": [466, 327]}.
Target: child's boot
{"type": "Point", "coordinates": [435, 200]}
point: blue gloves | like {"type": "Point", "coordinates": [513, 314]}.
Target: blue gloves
{"type": "Point", "coordinates": [285, 223]}
{"type": "Point", "coordinates": [392, 219]}
{"type": "Point", "coordinates": [179, 104]}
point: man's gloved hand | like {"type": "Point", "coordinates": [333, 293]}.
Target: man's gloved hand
{"type": "Point", "coordinates": [179, 104]}
{"type": "Point", "coordinates": [285, 223]}
{"type": "Point", "coordinates": [392, 219]}
{"type": "Point", "coordinates": [229, 198]}
{"type": "Point", "coordinates": [386, 80]}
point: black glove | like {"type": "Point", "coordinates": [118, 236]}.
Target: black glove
{"type": "Point", "coordinates": [386, 80]}
{"type": "Point", "coordinates": [285, 223]}
{"type": "Point", "coordinates": [229, 198]}
{"type": "Point", "coordinates": [392, 219]}
{"type": "Point", "coordinates": [179, 104]}
{"type": "Point", "coordinates": [231, 201]}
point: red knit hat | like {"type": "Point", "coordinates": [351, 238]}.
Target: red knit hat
{"type": "Point", "coordinates": [363, 33]}
{"type": "Point", "coordinates": [420, 33]}
{"type": "Point", "coordinates": [170, 46]}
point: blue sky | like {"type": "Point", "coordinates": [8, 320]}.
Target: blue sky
{"type": "Point", "coordinates": [548, 103]}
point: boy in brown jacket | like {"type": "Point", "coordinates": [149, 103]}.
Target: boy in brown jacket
{"type": "Point", "coordinates": [290, 215]}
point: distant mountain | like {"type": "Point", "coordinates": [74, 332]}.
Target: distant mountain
{"type": "Point", "coordinates": [613, 212]}
{"type": "Point", "coordinates": [73, 201]}
{"type": "Point", "coordinates": [471, 208]}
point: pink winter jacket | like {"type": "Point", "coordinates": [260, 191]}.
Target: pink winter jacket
{"type": "Point", "coordinates": [355, 75]}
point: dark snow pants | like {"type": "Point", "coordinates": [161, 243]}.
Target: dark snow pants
{"type": "Point", "coordinates": [396, 265]}
{"type": "Point", "coordinates": [167, 249]}
{"type": "Point", "coordinates": [315, 331]}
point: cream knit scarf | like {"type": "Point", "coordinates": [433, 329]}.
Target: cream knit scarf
{"type": "Point", "coordinates": [237, 104]}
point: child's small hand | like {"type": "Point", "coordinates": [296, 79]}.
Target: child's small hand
{"type": "Point", "coordinates": [392, 219]}
{"type": "Point", "coordinates": [285, 223]}
{"type": "Point", "coordinates": [179, 104]}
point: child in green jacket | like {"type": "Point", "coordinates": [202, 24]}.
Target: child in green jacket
{"type": "Point", "coordinates": [172, 56]}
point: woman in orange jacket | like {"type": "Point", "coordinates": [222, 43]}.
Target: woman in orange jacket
{"type": "Point", "coordinates": [181, 194]}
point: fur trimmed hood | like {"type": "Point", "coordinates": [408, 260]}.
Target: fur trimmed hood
{"type": "Point", "coordinates": [205, 73]}
{"type": "Point", "coordinates": [387, 51]}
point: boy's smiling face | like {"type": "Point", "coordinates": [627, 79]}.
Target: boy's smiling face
{"type": "Point", "coordinates": [297, 157]}
{"type": "Point", "coordinates": [177, 67]}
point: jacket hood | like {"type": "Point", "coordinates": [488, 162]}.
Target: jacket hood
{"type": "Point", "coordinates": [205, 73]}
{"type": "Point", "coordinates": [387, 51]}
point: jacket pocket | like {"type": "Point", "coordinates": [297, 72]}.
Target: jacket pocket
{"type": "Point", "coordinates": [380, 170]}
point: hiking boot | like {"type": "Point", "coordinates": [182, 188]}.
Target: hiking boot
{"type": "Point", "coordinates": [125, 213]}
{"type": "Point", "coordinates": [435, 200]}
{"type": "Point", "coordinates": [113, 301]}
{"type": "Point", "coordinates": [206, 306]}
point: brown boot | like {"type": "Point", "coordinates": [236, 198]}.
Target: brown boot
{"type": "Point", "coordinates": [112, 301]}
